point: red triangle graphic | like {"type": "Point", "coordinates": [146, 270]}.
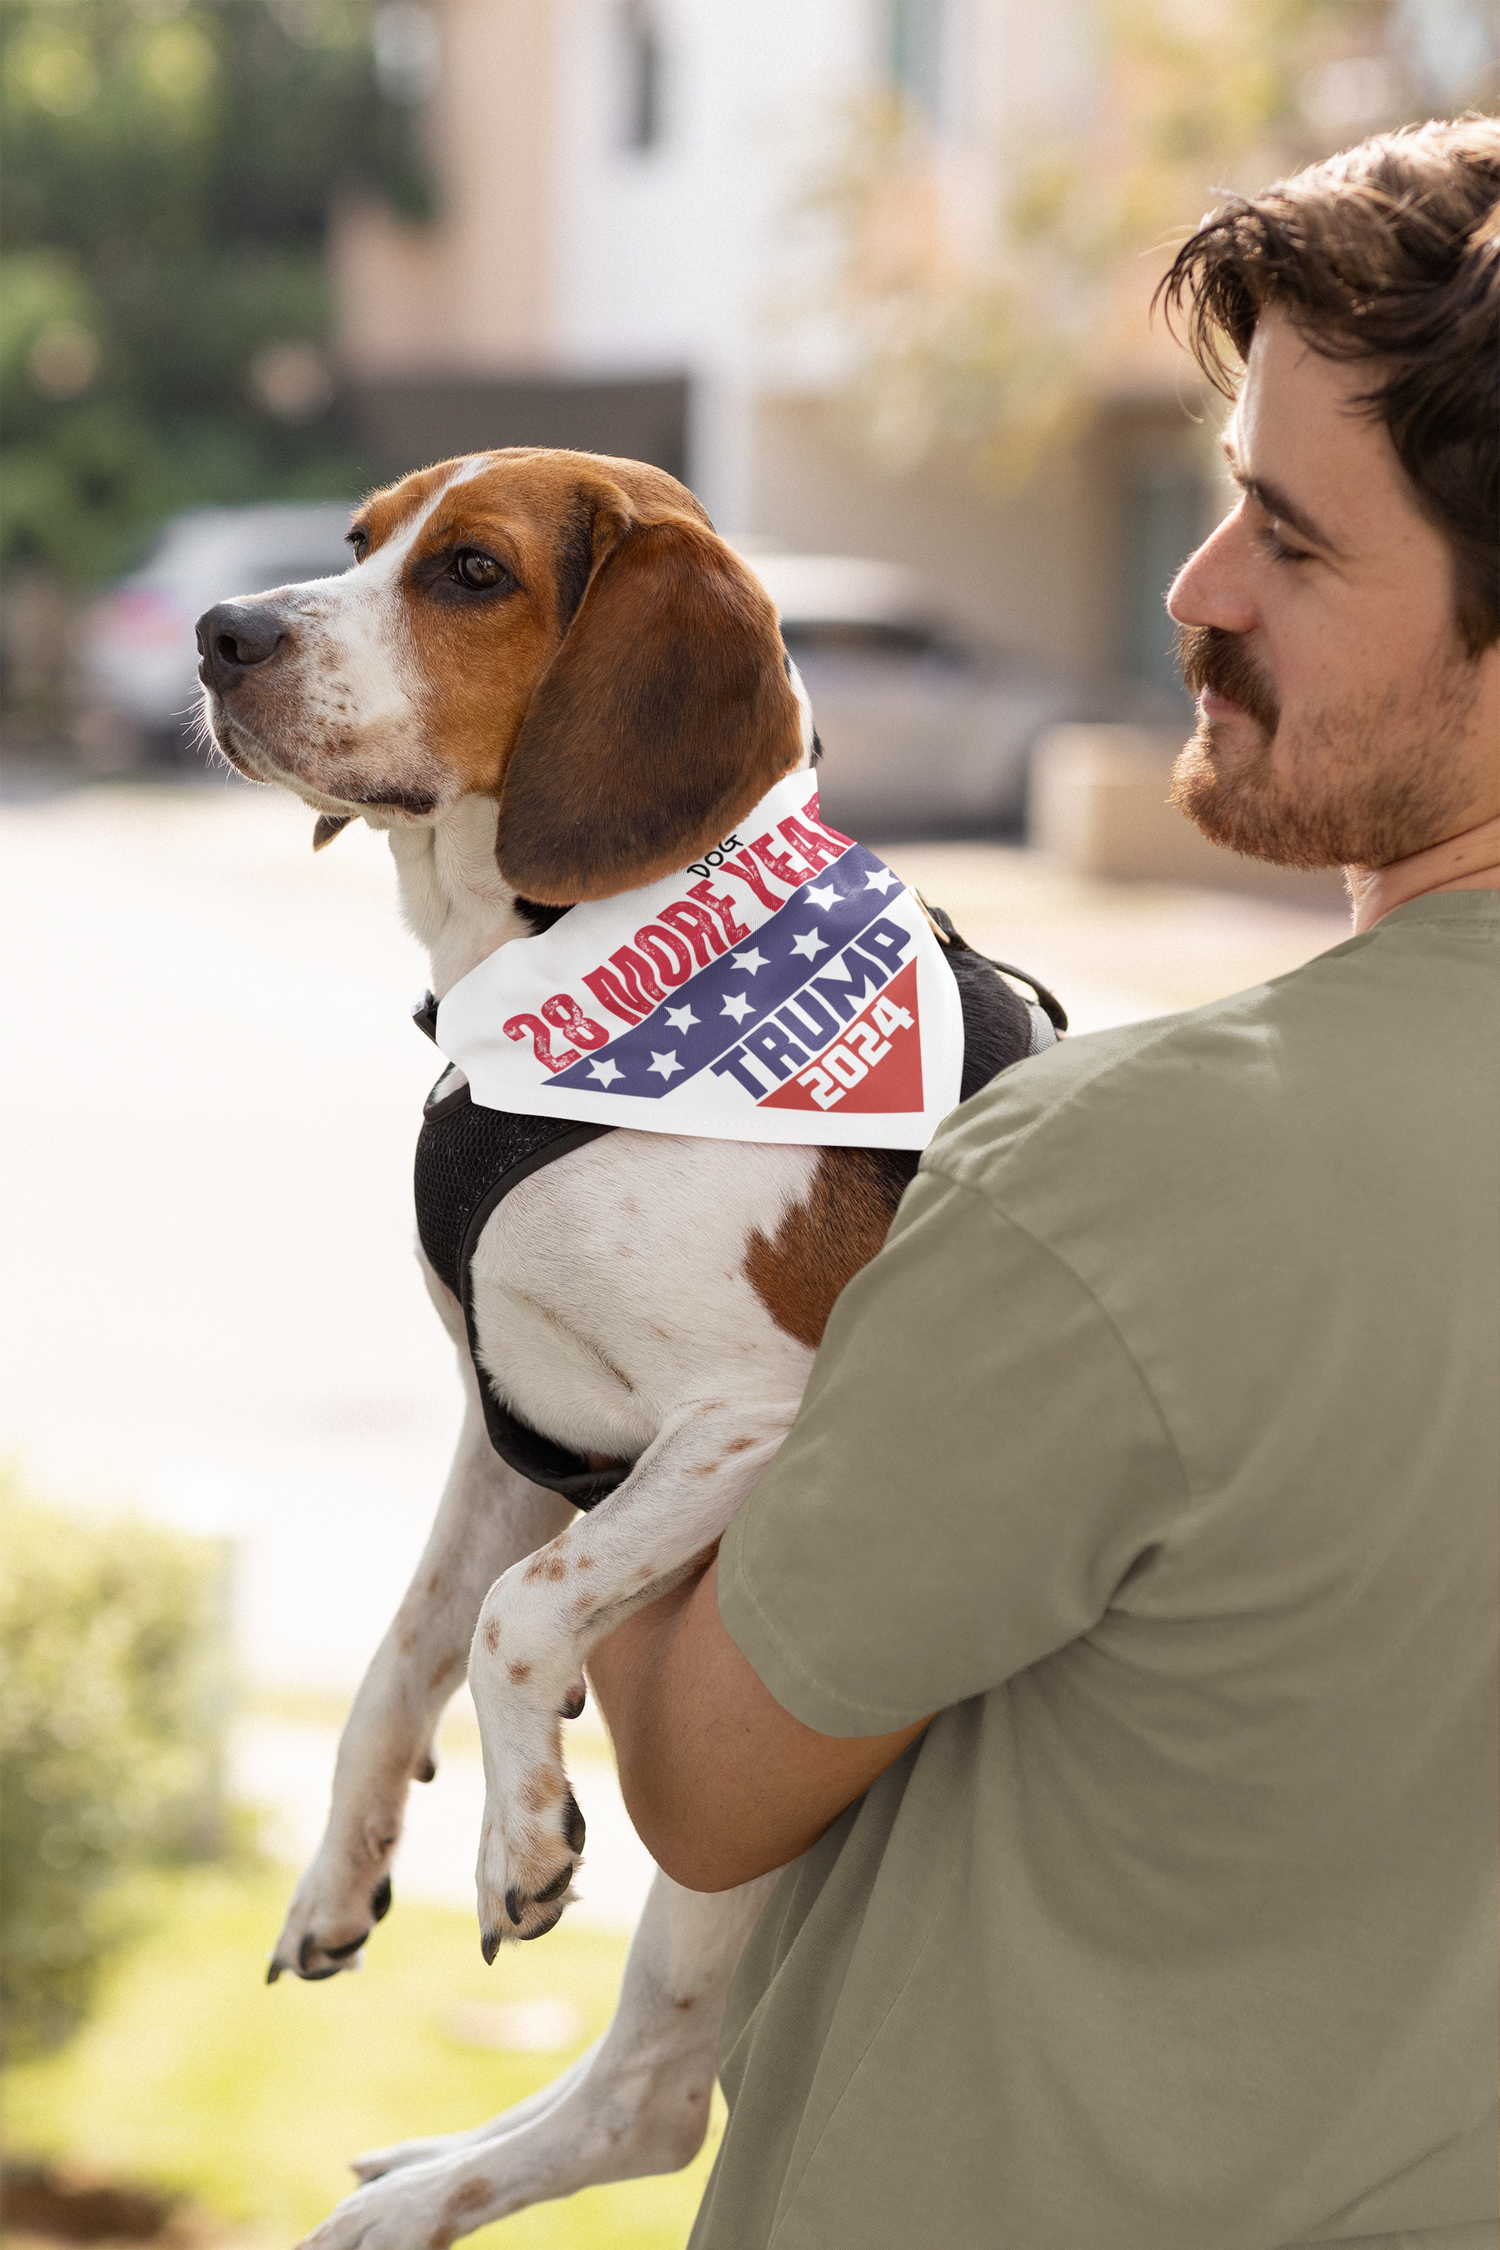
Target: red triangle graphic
{"type": "Point", "coordinates": [874, 1064]}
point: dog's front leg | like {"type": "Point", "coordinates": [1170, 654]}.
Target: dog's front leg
{"type": "Point", "coordinates": [636, 2103]}
{"type": "Point", "coordinates": [540, 1620]}
{"type": "Point", "coordinates": [488, 1519]}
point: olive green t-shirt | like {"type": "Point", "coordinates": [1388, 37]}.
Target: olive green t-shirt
{"type": "Point", "coordinates": [1157, 1452]}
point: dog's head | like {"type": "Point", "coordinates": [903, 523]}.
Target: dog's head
{"type": "Point", "coordinates": [561, 632]}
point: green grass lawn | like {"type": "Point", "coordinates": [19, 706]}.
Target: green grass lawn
{"type": "Point", "coordinates": [249, 2099]}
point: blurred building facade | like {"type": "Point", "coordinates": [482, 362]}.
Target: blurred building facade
{"type": "Point", "coordinates": [618, 263]}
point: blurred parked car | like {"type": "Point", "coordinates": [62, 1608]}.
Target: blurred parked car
{"type": "Point", "coordinates": [140, 656]}
{"type": "Point", "coordinates": [922, 731]}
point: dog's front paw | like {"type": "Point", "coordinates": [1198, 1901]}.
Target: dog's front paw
{"type": "Point", "coordinates": [424, 2206]}
{"type": "Point", "coordinates": [529, 1850]}
{"type": "Point", "coordinates": [334, 1908]}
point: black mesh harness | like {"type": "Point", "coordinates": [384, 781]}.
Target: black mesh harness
{"type": "Point", "coordinates": [469, 1159]}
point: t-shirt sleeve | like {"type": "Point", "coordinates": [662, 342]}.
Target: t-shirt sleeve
{"type": "Point", "coordinates": [976, 1466]}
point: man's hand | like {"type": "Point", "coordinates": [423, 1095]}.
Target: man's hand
{"type": "Point", "coordinates": [721, 1782]}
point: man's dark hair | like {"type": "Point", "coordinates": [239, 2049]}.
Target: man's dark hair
{"type": "Point", "coordinates": [1390, 252]}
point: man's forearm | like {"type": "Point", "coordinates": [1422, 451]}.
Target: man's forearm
{"type": "Point", "coordinates": [721, 1782]}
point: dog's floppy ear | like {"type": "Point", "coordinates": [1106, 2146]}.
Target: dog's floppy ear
{"type": "Point", "coordinates": [665, 715]}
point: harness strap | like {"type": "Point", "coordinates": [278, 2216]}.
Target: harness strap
{"type": "Point", "coordinates": [468, 1160]}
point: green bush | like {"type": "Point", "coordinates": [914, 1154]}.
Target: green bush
{"type": "Point", "coordinates": [112, 1709]}
{"type": "Point", "coordinates": [168, 172]}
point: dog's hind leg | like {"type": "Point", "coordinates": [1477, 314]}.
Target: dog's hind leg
{"type": "Point", "coordinates": [489, 1518]}
{"type": "Point", "coordinates": [636, 2103]}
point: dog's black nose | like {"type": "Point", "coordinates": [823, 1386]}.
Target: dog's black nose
{"type": "Point", "coordinates": [233, 638]}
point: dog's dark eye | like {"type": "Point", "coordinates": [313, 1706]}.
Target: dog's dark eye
{"type": "Point", "coordinates": [478, 570]}
{"type": "Point", "coordinates": [360, 542]}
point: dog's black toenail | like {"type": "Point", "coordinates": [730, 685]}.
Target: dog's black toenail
{"type": "Point", "coordinates": [273, 1972]}
{"type": "Point", "coordinates": [555, 1888]}
{"type": "Point", "coordinates": [427, 1770]}
{"type": "Point", "coordinates": [513, 1905]}
{"type": "Point", "coordinates": [380, 1899]}
{"type": "Point", "coordinates": [342, 1952]}
{"type": "Point", "coordinates": [305, 1952]}
{"type": "Point", "coordinates": [542, 1927]}
{"type": "Point", "coordinates": [489, 1946]}
{"type": "Point", "coordinates": [573, 1824]}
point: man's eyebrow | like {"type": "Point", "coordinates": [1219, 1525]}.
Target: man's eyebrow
{"type": "Point", "coordinates": [1276, 503]}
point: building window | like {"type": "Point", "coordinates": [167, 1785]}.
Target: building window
{"type": "Point", "coordinates": [918, 52]}
{"type": "Point", "coordinates": [640, 75]}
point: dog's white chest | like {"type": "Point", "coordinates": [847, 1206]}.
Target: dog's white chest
{"type": "Point", "coordinates": [610, 1287]}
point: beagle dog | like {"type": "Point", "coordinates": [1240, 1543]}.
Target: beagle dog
{"type": "Point", "coordinates": [548, 681]}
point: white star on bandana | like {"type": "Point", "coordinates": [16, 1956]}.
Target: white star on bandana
{"type": "Point", "coordinates": [810, 943]}
{"type": "Point", "coordinates": [737, 1005]}
{"type": "Point", "coordinates": [664, 1065]}
{"type": "Point", "coordinates": [824, 895]}
{"type": "Point", "coordinates": [605, 1072]}
{"type": "Point", "coordinates": [882, 880]}
{"type": "Point", "coordinates": [753, 961]}
{"type": "Point", "coordinates": [681, 1018]}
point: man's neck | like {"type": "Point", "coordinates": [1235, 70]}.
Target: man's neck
{"type": "Point", "coordinates": [1470, 862]}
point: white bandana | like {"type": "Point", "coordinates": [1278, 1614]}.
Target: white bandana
{"type": "Point", "coordinates": [785, 987]}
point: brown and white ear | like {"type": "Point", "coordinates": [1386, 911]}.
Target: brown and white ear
{"type": "Point", "coordinates": [327, 826]}
{"type": "Point", "coordinates": [664, 717]}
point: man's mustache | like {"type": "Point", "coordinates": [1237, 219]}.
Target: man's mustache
{"type": "Point", "coordinates": [1221, 662]}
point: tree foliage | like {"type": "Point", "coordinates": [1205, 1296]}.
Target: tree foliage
{"type": "Point", "coordinates": [111, 1719]}
{"type": "Point", "coordinates": [169, 167]}
{"type": "Point", "coordinates": [988, 292]}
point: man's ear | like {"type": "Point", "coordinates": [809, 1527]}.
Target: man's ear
{"type": "Point", "coordinates": [665, 715]}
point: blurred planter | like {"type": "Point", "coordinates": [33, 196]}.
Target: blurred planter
{"type": "Point", "coordinates": [1098, 802]}
{"type": "Point", "coordinates": [38, 641]}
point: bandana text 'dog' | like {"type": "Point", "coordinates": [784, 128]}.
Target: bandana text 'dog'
{"type": "Point", "coordinates": [786, 987]}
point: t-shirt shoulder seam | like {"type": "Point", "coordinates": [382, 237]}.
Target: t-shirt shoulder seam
{"type": "Point", "coordinates": [1116, 1058]}
{"type": "Point", "coordinates": [997, 1210]}
{"type": "Point", "coordinates": [743, 1591]}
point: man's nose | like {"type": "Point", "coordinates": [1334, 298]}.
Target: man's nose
{"type": "Point", "coordinates": [234, 638]}
{"type": "Point", "coordinates": [1211, 587]}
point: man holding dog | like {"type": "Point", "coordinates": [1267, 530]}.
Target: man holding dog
{"type": "Point", "coordinates": [1112, 1646]}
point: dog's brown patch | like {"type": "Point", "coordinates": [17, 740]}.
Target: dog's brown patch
{"type": "Point", "coordinates": [540, 1789]}
{"type": "Point", "coordinates": [492, 1636]}
{"type": "Point", "coordinates": [519, 1674]}
{"type": "Point", "coordinates": [546, 1565]}
{"type": "Point", "coordinates": [739, 1445]}
{"type": "Point", "coordinates": [821, 1244]}
{"type": "Point", "coordinates": [470, 2197]}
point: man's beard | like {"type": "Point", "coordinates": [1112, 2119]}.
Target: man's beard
{"type": "Point", "coordinates": [1354, 784]}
